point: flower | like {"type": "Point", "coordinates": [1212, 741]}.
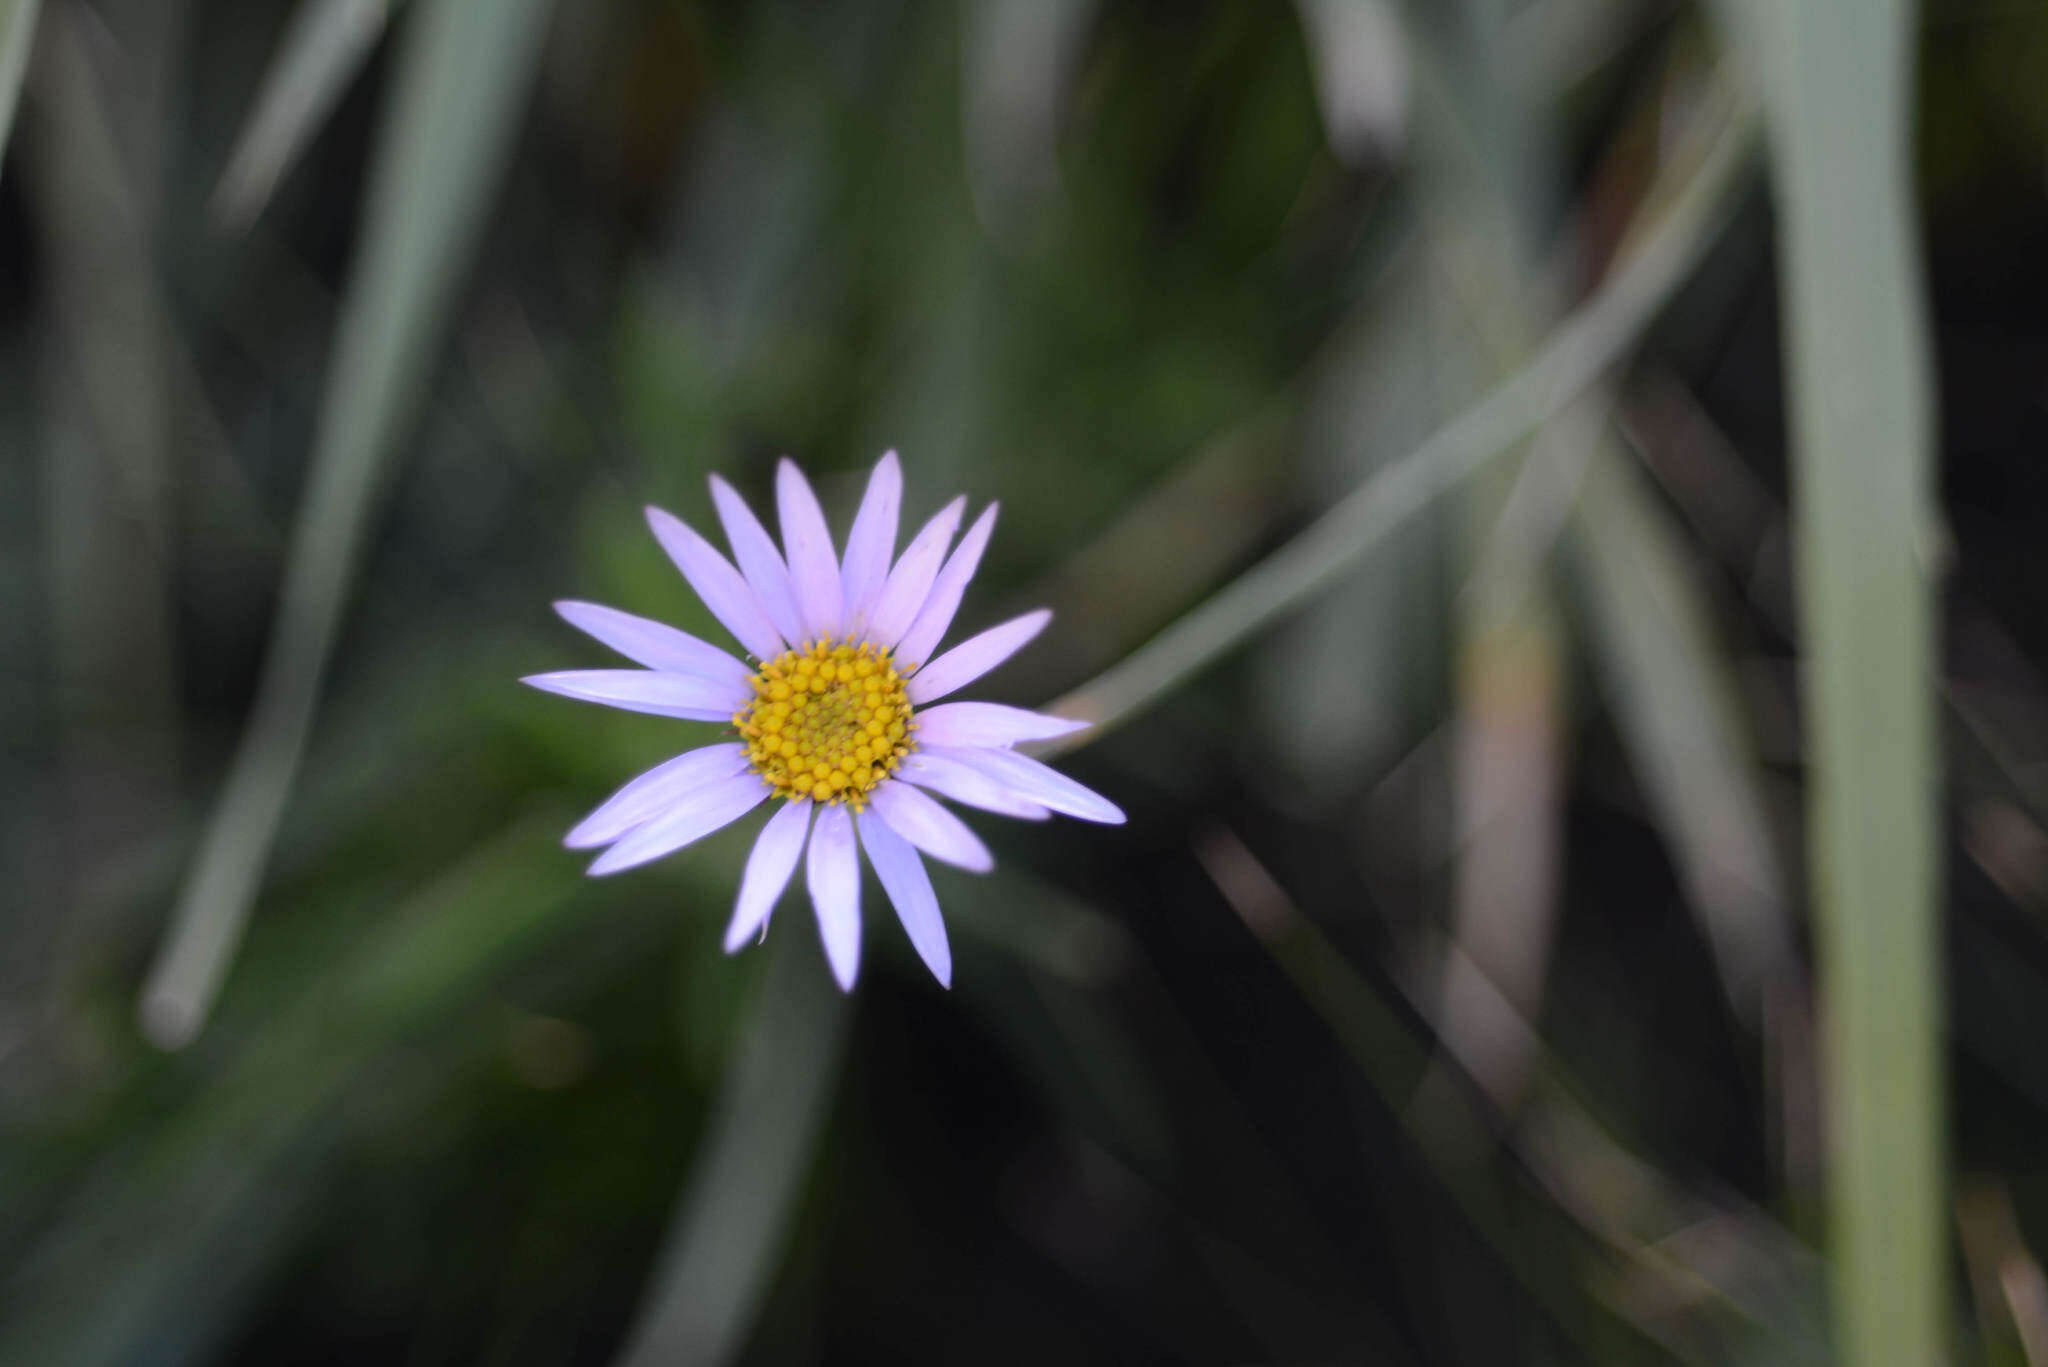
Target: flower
{"type": "Point", "coordinates": [837, 719]}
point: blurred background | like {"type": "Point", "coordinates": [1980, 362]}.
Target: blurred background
{"type": "Point", "coordinates": [1456, 992]}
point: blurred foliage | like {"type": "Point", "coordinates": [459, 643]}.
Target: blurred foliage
{"type": "Point", "coordinates": [1450, 995]}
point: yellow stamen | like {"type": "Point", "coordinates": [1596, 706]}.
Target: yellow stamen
{"type": "Point", "coordinates": [829, 721]}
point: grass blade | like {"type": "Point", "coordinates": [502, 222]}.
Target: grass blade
{"type": "Point", "coordinates": [457, 102]}
{"type": "Point", "coordinates": [17, 37]}
{"type": "Point", "coordinates": [1017, 57]}
{"type": "Point", "coordinates": [109, 481]}
{"type": "Point", "coordinates": [1569, 359]}
{"type": "Point", "coordinates": [723, 1246]}
{"type": "Point", "coordinates": [1676, 712]}
{"type": "Point", "coordinates": [1838, 76]}
{"type": "Point", "coordinates": [327, 45]}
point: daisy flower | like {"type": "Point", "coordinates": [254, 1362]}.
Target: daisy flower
{"type": "Point", "coordinates": [838, 719]}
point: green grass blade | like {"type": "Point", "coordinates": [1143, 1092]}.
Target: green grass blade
{"type": "Point", "coordinates": [108, 512]}
{"type": "Point", "coordinates": [459, 97]}
{"type": "Point", "coordinates": [724, 1244]}
{"type": "Point", "coordinates": [1675, 708]}
{"type": "Point", "coordinates": [327, 45]}
{"type": "Point", "coordinates": [17, 37]}
{"type": "Point", "coordinates": [1839, 98]}
{"type": "Point", "coordinates": [1570, 358]}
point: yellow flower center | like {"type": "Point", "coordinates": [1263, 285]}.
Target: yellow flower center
{"type": "Point", "coordinates": [828, 722]}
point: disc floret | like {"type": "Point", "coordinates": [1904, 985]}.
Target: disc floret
{"type": "Point", "coordinates": [829, 721]}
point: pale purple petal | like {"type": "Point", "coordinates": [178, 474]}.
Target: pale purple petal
{"type": "Point", "coordinates": [691, 818]}
{"type": "Point", "coordinates": [871, 542]}
{"type": "Point", "coordinates": [722, 588]}
{"type": "Point", "coordinates": [833, 872]}
{"type": "Point", "coordinates": [691, 696]}
{"type": "Point", "coordinates": [910, 890]}
{"type": "Point", "coordinates": [909, 583]}
{"type": "Point", "coordinates": [928, 628]}
{"type": "Point", "coordinates": [975, 656]}
{"type": "Point", "coordinates": [813, 567]}
{"type": "Point", "coordinates": [654, 791]}
{"type": "Point", "coordinates": [760, 563]}
{"type": "Point", "coordinates": [930, 827]}
{"type": "Point", "coordinates": [987, 723]}
{"type": "Point", "coordinates": [654, 644]}
{"type": "Point", "coordinates": [950, 778]}
{"type": "Point", "coordinates": [768, 870]}
{"type": "Point", "coordinates": [1035, 782]}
